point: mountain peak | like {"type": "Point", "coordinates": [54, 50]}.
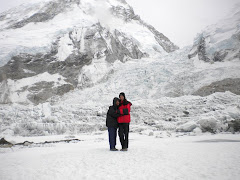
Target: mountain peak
{"type": "Point", "coordinates": [57, 38]}
{"type": "Point", "coordinates": [220, 41]}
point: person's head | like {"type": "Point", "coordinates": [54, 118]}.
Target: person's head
{"type": "Point", "coordinates": [122, 96]}
{"type": "Point", "coordinates": [116, 101]}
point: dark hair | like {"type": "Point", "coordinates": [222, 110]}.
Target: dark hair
{"type": "Point", "coordinates": [123, 94]}
{"type": "Point", "coordinates": [125, 101]}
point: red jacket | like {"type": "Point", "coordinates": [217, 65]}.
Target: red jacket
{"type": "Point", "coordinates": [124, 108]}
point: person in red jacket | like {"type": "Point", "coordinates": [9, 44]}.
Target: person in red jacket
{"type": "Point", "coordinates": [124, 120]}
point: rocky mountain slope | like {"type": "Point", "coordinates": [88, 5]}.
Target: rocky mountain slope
{"type": "Point", "coordinates": [54, 39]}
{"type": "Point", "coordinates": [219, 42]}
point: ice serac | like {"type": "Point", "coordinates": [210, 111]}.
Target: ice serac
{"type": "Point", "coordinates": [57, 38]}
{"type": "Point", "coordinates": [219, 42]}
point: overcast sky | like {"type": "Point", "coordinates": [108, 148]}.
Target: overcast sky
{"type": "Point", "coordinates": [179, 20]}
{"type": "Point", "coordinates": [6, 4]}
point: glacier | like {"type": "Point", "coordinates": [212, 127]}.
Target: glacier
{"type": "Point", "coordinates": [63, 61]}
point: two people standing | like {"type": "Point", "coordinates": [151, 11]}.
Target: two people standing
{"type": "Point", "coordinates": [118, 116]}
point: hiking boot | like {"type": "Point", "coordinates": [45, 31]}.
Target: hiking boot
{"type": "Point", "coordinates": [114, 149]}
{"type": "Point", "coordinates": [124, 149]}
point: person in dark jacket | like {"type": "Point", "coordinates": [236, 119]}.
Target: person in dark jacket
{"type": "Point", "coordinates": [112, 123]}
{"type": "Point", "coordinates": [124, 120]}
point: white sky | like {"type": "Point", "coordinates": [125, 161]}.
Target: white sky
{"type": "Point", "coordinates": [181, 20]}
{"type": "Point", "coordinates": [6, 4]}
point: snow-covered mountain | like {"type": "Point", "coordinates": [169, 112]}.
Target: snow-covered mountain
{"type": "Point", "coordinates": [63, 62]}
{"type": "Point", "coordinates": [46, 43]}
{"type": "Point", "coordinates": [221, 41]}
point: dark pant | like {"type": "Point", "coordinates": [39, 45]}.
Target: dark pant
{"type": "Point", "coordinates": [123, 134]}
{"type": "Point", "coordinates": [112, 134]}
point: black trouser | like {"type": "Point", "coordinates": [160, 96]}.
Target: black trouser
{"type": "Point", "coordinates": [112, 133]}
{"type": "Point", "coordinates": [123, 134]}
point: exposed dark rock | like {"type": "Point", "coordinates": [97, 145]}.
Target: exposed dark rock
{"type": "Point", "coordinates": [65, 140]}
{"type": "Point", "coordinates": [5, 144]}
{"type": "Point", "coordinates": [200, 51]}
{"type": "Point", "coordinates": [4, 93]}
{"type": "Point", "coordinates": [52, 9]}
{"type": "Point", "coordinates": [3, 141]}
{"type": "Point", "coordinates": [220, 55]}
{"type": "Point", "coordinates": [2, 17]}
{"type": "Point", "coordinates": [232, 85]}
{"type": "Point", "coordinates": [42, 91]}
{"type": "Point", "coordinates": [119, 50]}
{"type": "Point", "coordinates": [211, 46]}
{"type": "Point", "coordinates": [238, 55]}
{"type": "Point", "coordinates": [27, 143]}
{"type": "Point", "coordinates": [60, 90]}
{"type": "Point", "coordinates": [38, 17]}
{"type": "Point", "coordinates": [125, 14]}
{"type": "Point", "coordinates": [129, 15]}
{"type": "Point", "coordinates": [24, 65]}
{"type": "Point", "coordinates": [41, 85]}
{"type": "Point", "coordinates": [190, 56]}
{"type": "Point", "coordinates": [234, 126]}
{"type": "Point", "coordinates": [162, 40]}
{"type": "Point", "coordinates": [150, 123]}
{"type": "Point", "coordinates": [186, 112]}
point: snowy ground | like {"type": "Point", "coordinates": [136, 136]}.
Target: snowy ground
{"type": "Point", "coordinates": [185, 157]}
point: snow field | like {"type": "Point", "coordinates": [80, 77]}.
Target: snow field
{"type": "Point", "coordinates": [199, 157]}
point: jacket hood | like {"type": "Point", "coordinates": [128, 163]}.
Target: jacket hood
{"type": "Point", "coordinates": [114, 101]}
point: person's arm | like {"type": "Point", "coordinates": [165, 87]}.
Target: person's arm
{"type": "Point", "coordinates": [126, 111]}
{"type": "Point", "coordinates": [114, 113]}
